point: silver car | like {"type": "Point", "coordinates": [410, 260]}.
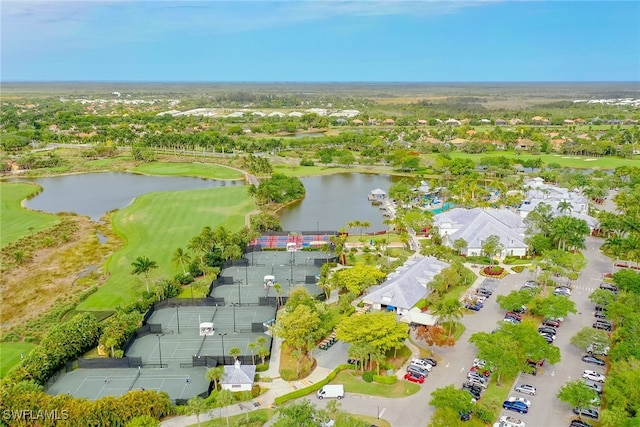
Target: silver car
{"type": "Point", "coordinates": [526, 389]}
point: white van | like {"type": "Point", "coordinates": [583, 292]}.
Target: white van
{"type": "Point", "coordinates": [331, 390]}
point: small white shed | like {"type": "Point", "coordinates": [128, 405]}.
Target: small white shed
{"type": "Point", "coordinates": [238, 377]}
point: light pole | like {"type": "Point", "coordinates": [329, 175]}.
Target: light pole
{"type": "Point", "coordinates": [239, 282]}
{"type": "Point", "coordinates": [222, 336]}
{"type": "Point", "coordinates": [178, 316]}
{"type": "Point", "coordinates": [233, 306]}
{"type": "Point", "coordinates": [318, 227]}
{"type": "Point", "coordinates": [159, 349]}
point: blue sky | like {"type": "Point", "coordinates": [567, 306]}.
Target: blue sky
{"type": "Point", "coordinates": [320, 41]}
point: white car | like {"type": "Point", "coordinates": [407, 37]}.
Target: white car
{"type": "Point", "coordinates": [511, 421]}
{"type": "Point", "coordinates": [479, 363]}
{"type": "Point", "coordinates": [526, 389]}
{"type": "Point", "coordinates": [520, 399]}
{"type": "Point", "coordinates": [422, 363]}
{"type": "Point", "coordinates": [593, 376]}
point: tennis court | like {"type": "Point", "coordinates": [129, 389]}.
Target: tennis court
{"type": "Point", "coordinates": [96, 383]}
{"type": "Point", "coordinates": [232, 328]}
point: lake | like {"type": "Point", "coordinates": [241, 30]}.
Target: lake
{"type": "Point", "coordinates": [95, 194]}
{"type": "Point", "coordinates": [334, 200]}
{"type": "Point", "coordinates": [331, 202]}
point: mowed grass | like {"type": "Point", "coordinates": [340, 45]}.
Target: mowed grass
{"type": "Point", "coordinates": [16, 221]}
{"type": "Point", "coordinates": [202, 170]}
{"type": "Point", "coordinates": [353, 383]}
{"type": "Point", "coordinates": [578, 162]}
{"type": "Point", "coordinates": [158, 223]}
{"type": "Point", "coordinates": [10, 354]}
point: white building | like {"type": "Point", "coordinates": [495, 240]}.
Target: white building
{"type": "Point", "coordinates": [474, 226]}
{"type": "Point", "coordinates": [238, 377]}
{"type": "Point", "coordinates": [561, 200]}
{"type": "Point", "coordinates": [406, 286]}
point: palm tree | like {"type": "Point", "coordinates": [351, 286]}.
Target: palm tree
{"type": "Point", "coordinates": [235, 352]}
{"type": "Point", "coordinates": [196, 406]}
{"type": "Point", "coordinates": [448, 310]}
{"type": "Point", "coordinates": [214, 375]}
{"type": "Point", "coordinates": [491, 246]}
{"type": "Point", "coordinates": [142, 265]}
{"type": "Point", "coordinates": [181, 258]}
{"type": "Point", "coordinates": [459, 244]}
{"type": "Point", "coordinates": [564, 206]}
{"type": "Point", "coordinates": [615, 246]}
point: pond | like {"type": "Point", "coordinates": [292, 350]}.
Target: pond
{"type": "Point", "coordinates": [334, 200]}
{"type": "Point", "coordinates": [95, 194]}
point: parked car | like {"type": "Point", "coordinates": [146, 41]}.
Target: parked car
{"type": "Point", "coordinates": [550, 338]}
{"type": "Point", "coordinates": [484, 372]}
{"type": "Point", "coordinates": [414, 378]}
{"type": "Point", "coordinates": [417, 370]}
{"type": "Point", "coordinates": [480, 363]}
{"type": "Point", "coordinates": [520, 399]}
{"type": "Point", "coordinates": [594, 385]}
{"type": "Point", "coordinates": [603, 324]}
{"type": "Point", "coordinates": [474, 393]}
{"type": "Point", "coordinates": [509, 421]}
{"type": "Point", "coordinates": [600, 314]}
{"type": "Point", "coordinates": [547, 330]}
{"type": "Point", "coordinates": [422, 364]}
{"type": "Point", "coordinates": [474, 306]}
{"type": "Point", "coordinates": [472, 386]}
{"type": "Point", "coordinates": [598, 349]}
{"type": "Point", "coordinates": [593, 376]}
{"type": "Point", "coordinates": [551, 322]}
{"type": "Point", "coordinates": [601, 307]}
{"type": "Point", "coordinates": [592, 359]}
{"type": "Point", "coordinates": [579, 423]}
{"type": "Point", "coordinates": [485, 292]}
{"type": "Point", "coordinates": [465, 416]}
{"type": "Point", "coordinates": [526, 389]}
{"type": "Point", "coordinates": [609, 287]}
{"type": "Point", "coordinates": [513, 314]}
{"type": "Point", "coordinates": [509, 319]}
{"type": "Point", "coordinates": [430, 361]}
{"type": "Point", "coordinates": [515, 406]}
{"type": "Point", "coordinates": [586, 412]}
{"type": "Point", "coordinates": [565, 292]}
{"type": "Point", "coordinates": [478, 382]}
{"type": "Point", "coordinates": [474, 375]}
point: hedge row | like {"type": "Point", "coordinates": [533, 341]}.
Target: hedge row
{"type": "Point", "coordinates": [385, 379]}
{"type": "Point", "coordinates": [317, 386]}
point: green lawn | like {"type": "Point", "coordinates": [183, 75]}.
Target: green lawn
{"type": "Point", "coordinates": [495, 395]}
{"type": "Point", "coordinates": [202, 170]}
{"type": "Point", "coordinates": [583, 162]}
{"type": "Point", "coordinates": [353, 383]}
{"type": "Point", "coordinates": [10, 354]}
{"type": "Point", "coordinates": [15, 221]}
{"type": "Point", "coordinates": [158, 223]}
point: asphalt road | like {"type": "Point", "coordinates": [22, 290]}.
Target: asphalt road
{"type": "Point", "coordinates": [546, 410]}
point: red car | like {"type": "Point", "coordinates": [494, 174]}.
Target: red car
{"type": "Point", "coordinates": [514, 315]}
{"type": "Point", "coordinates": [414, 378]}
{"type": "Point", "coordinates": [484, 372]}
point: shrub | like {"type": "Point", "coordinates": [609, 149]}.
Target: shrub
{"type": "Point", "coordinates": [518, 268]}
{"type": "Point", "coordinates": [385, 379]}
{"type": "Point", "coordinates": [262, 367]}
{"type": "Point", "coordinates": [306, 162]}
{"type": "Point", "coordinates": [367, 376]}
{"type": "Point", "coordinates": [288, 374]}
